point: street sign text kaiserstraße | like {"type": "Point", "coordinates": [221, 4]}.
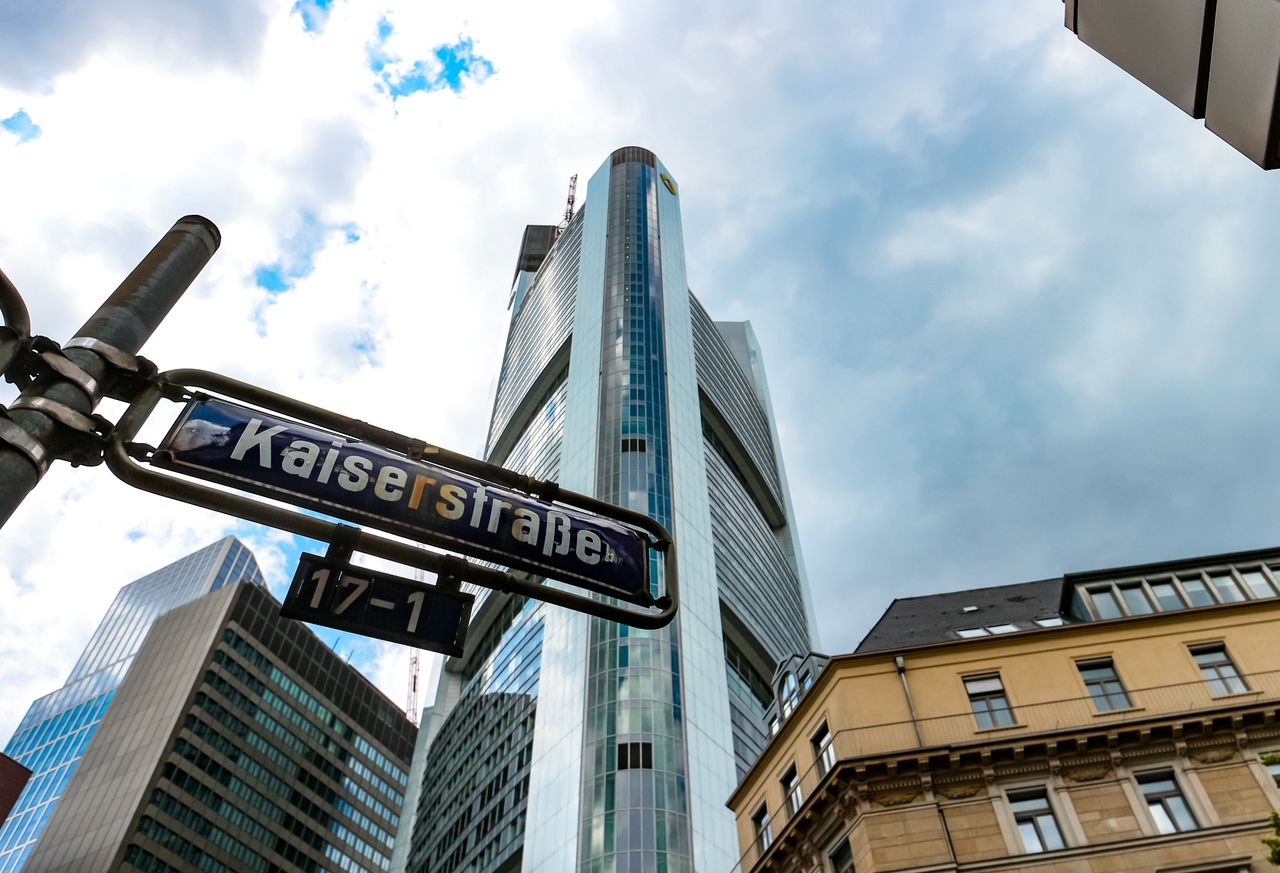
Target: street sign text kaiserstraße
{"type": "Point", "coordinates": [252, 450]}
{"type": "Point", "coordinates": [375, 604]}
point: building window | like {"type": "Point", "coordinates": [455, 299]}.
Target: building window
{"type": "Point", "coordinates": [1256, 581]}
{"type": "Point", "coordinates": [824, 750]}
{"type": "Point", "coordinates": [790, 695]}
{"type": "Point", "coordinates": [1225, 585]}
{"type": "Point", "coordinates": [1272, 763]}
{"type": "Point", "coordinates": [1105, 604]}
{"type": "Point", "coordinates": [987, 699]}
{"type": "Point", "coordinates": [841, 857]}
{"type": "Point", "coordinates": [1164, 799]}
{"type": "Point", "coordinates": [764, 831]}
{"type": "Point", "coordinates": [635, 756]}
{"type": "Point", "coordinates": [1051, 621]}
{"type": "Point", "coordinates": [773, 726]}
{"type": "Point", "coordinates": [1166, 594]}
{"type": "Point", "coordinates": [1218, 670]}
{"type": "Point", "coordinates": [791, 790]}
{"type": "Point", "coordinates": [1197, 593]}
{"type": "Point", "coordinates": [1002, 628]}
{"type": "Point", "coordinates": [1104, 685]}
{"type": "Point", "coordinates": [1135, 599]}
{"type": "Point", "coordinates": [1037, 827]}
{"type": "Point", "coordinates": [1115, 599]}
{"type": "Point", "coordinates": [970, 632]}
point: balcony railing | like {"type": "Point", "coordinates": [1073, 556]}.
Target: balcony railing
{"type": "Point", "coordinates": [1046, 717]}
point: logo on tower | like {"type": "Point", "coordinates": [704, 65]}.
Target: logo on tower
{"type": "Point", "coordinates": [669, 182]}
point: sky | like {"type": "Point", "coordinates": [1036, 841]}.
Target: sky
{"type": "Point", "coordinates": [1017, 311]}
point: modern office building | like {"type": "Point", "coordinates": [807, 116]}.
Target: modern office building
{"type": "Point", "coordinates": [57, 728]}
{"type": "Point", "coordinates": [238, 741]}
{"type": "Point", "coordinates": [1120, 719]}
{"type": "Point", "coordinates": [563, 742]}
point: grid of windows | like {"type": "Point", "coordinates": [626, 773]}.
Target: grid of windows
{"type": "Point", "coordinates": [307, 739]}
{"type": "Point", "coordinates": [749, 699]}
{"type": "Point", "coordinates": [1164, 798]}
{"type": "Point", "coordinates": [754, 576]}
{"type": "Point", "coordinates": [1169, 592]}
{"type": "Point", "coordinates": [475, 784]}
{"type": "Point", "coordinates": [634, 819]}
{"type": "Point", "coordinates": [57, 729]}
{"type": "Point", "coordinates": [988, 701]}
{"type": "Point", "coordinates": [1103, 685]}
{"type": "Point", "coordinates": [1037, 827]}
{"type": "Point", "coordinates": [733, 396]}
{"type": "Point", "coordinates": [1218, 670]}
{"type": "Point", "coordinates": [539, 328]}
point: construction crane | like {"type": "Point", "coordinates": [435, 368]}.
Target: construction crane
{"type": "Point", "coordinates": [568, 206]}
{"type": "Point", "coordinates": [411, 707]}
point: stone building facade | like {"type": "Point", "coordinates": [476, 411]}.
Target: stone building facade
{"type": "Point", "coordinates": [1116, 720]}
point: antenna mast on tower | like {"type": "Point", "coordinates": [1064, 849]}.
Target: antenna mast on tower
{"type": "Point", "coordinates": [568, 206]}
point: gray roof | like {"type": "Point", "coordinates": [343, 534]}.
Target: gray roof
{"type": "Point", "coordinates": [934, 618]}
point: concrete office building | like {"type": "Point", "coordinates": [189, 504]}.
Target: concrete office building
{"type": "Point", "coordinates": [238, 741]}
{"type": "Point", "coordinates": [563, 742]}
{"type": "Point", "coordinates": [1120, 719]}
{"type": "Point", "coordinates": [58, 727]}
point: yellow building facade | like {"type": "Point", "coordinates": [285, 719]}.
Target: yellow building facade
{"type": "Point", "coordinates": [1112, 721]}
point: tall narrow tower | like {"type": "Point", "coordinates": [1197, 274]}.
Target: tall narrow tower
{"type": "Point", "coordinates": [563, 742]}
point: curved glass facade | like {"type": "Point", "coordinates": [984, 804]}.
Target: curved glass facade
{"type": "Point", "coordinates": [615, 381]}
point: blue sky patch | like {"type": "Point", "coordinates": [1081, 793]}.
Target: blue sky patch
{"type": "Point", "coordinates": [271, 278]}
{"type": "Point", "coordinates": [21, 125]}
{"type": "Point", "coordinates": [450, 66]}
{"type": "Point", "coordinates": [297, 258]}
{"type": "Point", "coordinates": [315, 14]}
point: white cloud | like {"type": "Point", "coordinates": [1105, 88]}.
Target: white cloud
{"type": "Point", "coordinates": [953, 232]}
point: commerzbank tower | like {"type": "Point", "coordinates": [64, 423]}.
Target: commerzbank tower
{"type": "Point", "coordinates": [562, 742]}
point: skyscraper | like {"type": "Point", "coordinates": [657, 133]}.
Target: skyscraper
{"type": "Point", "coordinates": [57, 728]}
{"type": "Point", "coordinates": [238, 741]}
{"type": "Point", "coordinates": [562, 742]}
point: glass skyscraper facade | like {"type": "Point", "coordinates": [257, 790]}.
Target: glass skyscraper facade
{"type": "Point", "coordinates": [564, 742]}
{"type": "Point", "coordinates": [238, 741]}
{"type": "Point", "coordinates": [56, 730]}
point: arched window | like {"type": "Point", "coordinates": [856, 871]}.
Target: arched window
{"type": "Point", "coordinates": [790, 694]}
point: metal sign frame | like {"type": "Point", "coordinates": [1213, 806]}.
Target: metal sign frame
{"type": "Point", "coordinates": [177, 385]}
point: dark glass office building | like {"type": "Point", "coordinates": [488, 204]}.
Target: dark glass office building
{"type": "Point", "coordinates": [563, 742]}
{"type": "Point", "coordinates": [238, 741]}
{"type": "Point", "coordinates": [57, 728]}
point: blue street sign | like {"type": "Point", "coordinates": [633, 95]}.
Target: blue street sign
{"type": "Point", "coordinates": [317, 469]}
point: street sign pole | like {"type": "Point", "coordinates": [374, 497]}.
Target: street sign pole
{"type": "Point", "coordinates": [62, 386]}
{"type": "Point", "coordinates": [250, 439]}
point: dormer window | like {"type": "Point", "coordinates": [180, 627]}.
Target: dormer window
{"type": "Point", "coordinates": [790, 694]}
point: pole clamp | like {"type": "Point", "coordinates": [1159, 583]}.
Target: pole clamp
{"type": "Point", "coordinates": [41, 356]}
{"type": "Point", "coordinates": [82, 438]}
{"type": "Point", "coordinates": [129, 373]}
{"type": "Point", "coordinates": [14, 436]}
